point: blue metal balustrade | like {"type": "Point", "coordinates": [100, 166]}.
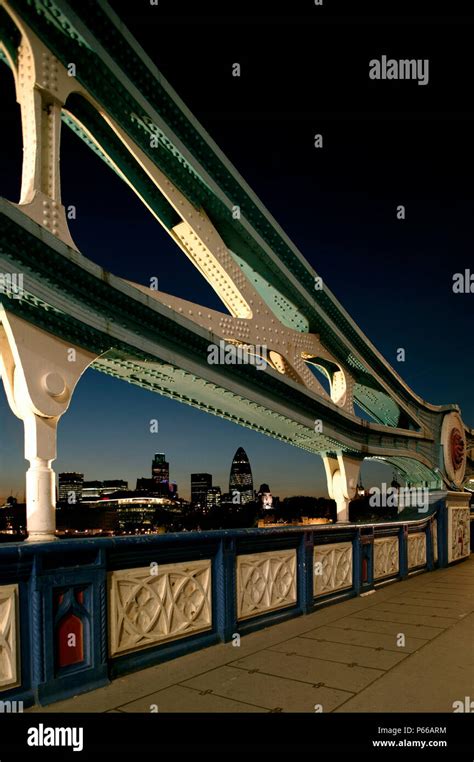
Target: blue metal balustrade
{"type": "Point", "coordinates": [69, 581]}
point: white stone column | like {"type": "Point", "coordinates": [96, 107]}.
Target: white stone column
{"type": "Point", "coordinates": [342, 474]}
{"type": "Point", "coordinates": [40, 450]}
{"type": "Point", "coordinates": [39, 373]}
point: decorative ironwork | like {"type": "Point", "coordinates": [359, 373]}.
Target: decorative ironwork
{"type": "Point", "coordinates": [456, 448]}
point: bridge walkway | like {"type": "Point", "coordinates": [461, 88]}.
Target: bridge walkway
{"type": "Point", "coordinates": [409, 646]}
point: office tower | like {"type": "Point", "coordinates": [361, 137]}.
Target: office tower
{"type": "Point", "coordinates": [200, 483]}
{"type": "Point", "coordinates": [70, 487]}
{"type": "Point", "coordinates": [145, 485]}
{"type": "Point", "coordinates": [240, 481]}
{"type": "Point", "coordinates": [95, 489]}
{"type": "Point", "coordinates": [160, 468]}
{"type": "Point", "coordinates": [92, 490]}
{"type": "Point", "coordinates": [112, 485]}
{"type": "Point", "coordinates": [213, 498]}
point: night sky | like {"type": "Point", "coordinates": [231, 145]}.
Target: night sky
{"type": "Point", "coordinates": [385, 143]}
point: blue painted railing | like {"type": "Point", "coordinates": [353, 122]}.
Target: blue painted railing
{"type": "Point", "coordinates": [70, 578]}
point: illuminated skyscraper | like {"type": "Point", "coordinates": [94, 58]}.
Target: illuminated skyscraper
{"type": "Point", "coordinates": [160, 468]}
{"type": "Point", "coordinates": [240, 482]}
{"type": "Point", "coordinates": [70, 487]}
{"type": "Point", "coordinates": [200, 483]}
{"type": "Point", "coordinates": [213, 498]}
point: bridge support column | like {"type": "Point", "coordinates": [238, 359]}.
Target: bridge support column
{"type": "Point", "coordinates": [40, 450]}
{"type": "Point", "coordinates": [39, 373]}
{"type": "Point", "coordinates": [342, 474]}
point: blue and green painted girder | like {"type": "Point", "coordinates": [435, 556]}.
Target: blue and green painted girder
{"type": "Point", "coordinates": [139, 340]}
{"type": "Point", "coordinates": [117, 73]}
{"type": "Point", "coordinates": [143, 342]}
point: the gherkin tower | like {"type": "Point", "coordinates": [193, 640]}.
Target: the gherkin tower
{"type": "Point", "coordinates": [240, 481]}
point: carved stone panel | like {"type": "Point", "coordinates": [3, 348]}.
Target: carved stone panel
{"type": "Point", "coordinates": [458, 533]}
{"type": "Point", "coordinates": [386, 557]}
{"type": "Point", "coordinates": [265, 581]}
{"type": "Point", "coordinates": [416, 549]}
{"type": "Point", "coordinates": [332, 567]}
{"type": "Point", "coordinates": [148, 606]}
{"type": "Point", "coordinates": [9, 637]}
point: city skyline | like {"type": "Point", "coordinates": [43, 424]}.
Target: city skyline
{"type": "Point", "coordinates": [218, 462]}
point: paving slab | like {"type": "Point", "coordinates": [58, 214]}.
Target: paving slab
{"type": "Point", "coordinates": [332, 674]}
{"type": "Point", "coordinates": [429, 680]}
{"type": "Point", "coordinates": [362, 656]}
{"type": "Point", "coordinates": [408, 607]}
{"type": "Point", "coordinates": [133, 686]}
{"type": "Point", "coordinates": [450, 589]}
{"type": "Point", "coordinates": [275, 693]}
{"type": "Point", "coordinates": [335, 634]}
{"type": "Point", "coordinates": [387, 615]}
{"type": "Point", "coordinates": [391, 628]}
{"type": "Point", "coordinates": [428, 600]}
{"type": "Point", "coordinates": [178, 698]}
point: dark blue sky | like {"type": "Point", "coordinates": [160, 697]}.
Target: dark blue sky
{"type": "Point", "coordinates": [385, 143]}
